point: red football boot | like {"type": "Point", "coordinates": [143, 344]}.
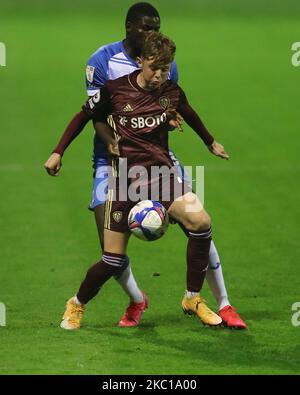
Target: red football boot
{"type": "Point", "coordinates": [231, 319]}
{"type": "Point", "coordinates": [133, 313]}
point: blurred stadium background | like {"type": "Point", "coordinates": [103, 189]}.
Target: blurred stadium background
{"type": "Point", "coordinates": [234, 61]}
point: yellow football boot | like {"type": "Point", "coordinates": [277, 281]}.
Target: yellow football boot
{"type": "Point", "coordinates": [197, 306]}
{"type": "Point", "coordinates": [72, 316]}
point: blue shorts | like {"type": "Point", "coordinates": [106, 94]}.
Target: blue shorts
{"type": "Point", "coordinates": [101, 179]}
{"type": "Point", "coordinates": [100, 182]}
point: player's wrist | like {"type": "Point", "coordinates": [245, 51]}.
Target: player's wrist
{"type": "Point", "coordinates": [58, 152]}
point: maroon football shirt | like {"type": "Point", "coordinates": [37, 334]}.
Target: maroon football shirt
{"type": "Point", "coordinates": [141, 119]}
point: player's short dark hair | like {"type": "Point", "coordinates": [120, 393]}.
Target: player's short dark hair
{"type": "Point", "coordinates": [139, 10]}
{"type": "Point", "coordinates": [159, 47]}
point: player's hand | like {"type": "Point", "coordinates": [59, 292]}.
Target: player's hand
{"type": "Point", "coordinates": [218, 150]}
{"type": "Point", "coordinates": [175, 119]}
{"type": "Point", "coordinates": [113, 148]}
{"type": "Point", "coordinates": [53, 164]}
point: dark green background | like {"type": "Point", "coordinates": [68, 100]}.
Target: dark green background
{"type": "Point", "coordinates": [234, 61]}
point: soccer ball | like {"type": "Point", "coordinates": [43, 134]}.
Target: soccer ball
{"type": "Point", "coordinates": [148, 220]}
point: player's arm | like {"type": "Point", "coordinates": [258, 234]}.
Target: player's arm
{"type": "Point", "coordinates": [106, 133]}
{"type": "Point", "coordinates": [99, 114]}
{"type": "Point", "coordinates": [96, 78]}
{"type": "Point", "coordinates": [74, 128]}
{"type": "Point", "coordinates": [193, 120]}
{"type": "Point", "coordinates": [96, 104]}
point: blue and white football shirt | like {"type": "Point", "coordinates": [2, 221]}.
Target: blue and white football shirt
{"type": "Point", "coordinates": [108, 63]}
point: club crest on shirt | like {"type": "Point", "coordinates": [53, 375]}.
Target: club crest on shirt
{"type": "Point", "coordinates": [164, 102]}
{"type": "Point", "coordinates": [117, 216]}
{"type": "Point", "coordinates": [89, 71]}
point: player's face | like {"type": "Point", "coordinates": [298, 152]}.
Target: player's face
{"type": "Point", "coordinates": [137, 32]}
{"type": "Point", "coordinates": [154, 75]}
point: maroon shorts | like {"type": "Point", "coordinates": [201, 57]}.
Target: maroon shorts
{"type": "Point", "coordinates": [117, 208]}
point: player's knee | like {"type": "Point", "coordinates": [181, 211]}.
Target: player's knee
{"type": "Point", "coordinates": [199, 221]}
{"type": "Point", "coordinates": [205, 222]}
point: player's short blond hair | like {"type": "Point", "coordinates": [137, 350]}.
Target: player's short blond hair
{"type": "Point", "coordinates": [160, 48]}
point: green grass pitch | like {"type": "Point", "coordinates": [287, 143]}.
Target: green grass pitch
{"type": "Point", "coordinates": [235, 65]}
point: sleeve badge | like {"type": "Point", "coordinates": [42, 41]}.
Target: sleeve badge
{"type": "Point", "coordinates": [89, 71]}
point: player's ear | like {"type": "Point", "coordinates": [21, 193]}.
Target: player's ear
{"type": "Point", "coordinates": [139, 61]}
{"type": "Point", "coordinates": [128, 26]}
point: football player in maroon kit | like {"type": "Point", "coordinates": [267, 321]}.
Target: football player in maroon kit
{"type": "Point", "coordinates": [110, 62]}
{"type": "Point", "coordinates": [141, 136]}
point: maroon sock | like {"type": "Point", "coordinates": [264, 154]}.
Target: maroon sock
{"type": "Point", "coordinates": [197, 259]}
{"type": "Point", "coordinates": [98, 274]}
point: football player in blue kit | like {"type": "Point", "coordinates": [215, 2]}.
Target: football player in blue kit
{"type": "Point", "coordinates": [110, 62]}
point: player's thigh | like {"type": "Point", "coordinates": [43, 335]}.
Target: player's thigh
{"type": "Point", "coordinates": [100, 184]}
{"type": "Point", "coordinates": [189, 211]}
{"type": "Point", "coordinates": [100, 187]}
{"type": "Point", "coordinates": [185, 177]}
{"type": "Point", "coordinates": [115, 242]}
{"type": "Point", "coordinates": [99, 212]}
